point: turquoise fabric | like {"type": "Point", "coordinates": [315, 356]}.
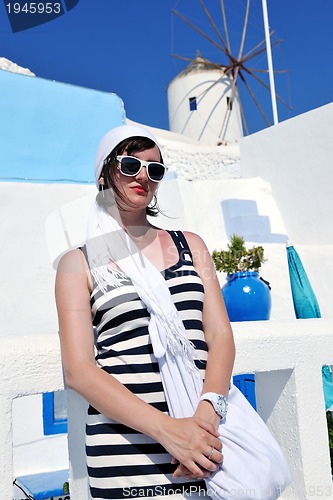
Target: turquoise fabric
{"type": "Point", "coordinates": [306, 306]}
{"type": "Point", "coordinates": [305, 302]}
{"type": "Point", "coordinates": [328, 387]}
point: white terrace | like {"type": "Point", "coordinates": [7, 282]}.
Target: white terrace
{"type": "Point", "coordinates": [286, 357]}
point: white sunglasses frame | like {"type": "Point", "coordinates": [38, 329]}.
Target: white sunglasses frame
{"type": "Point", "coordinates": [143, 163]}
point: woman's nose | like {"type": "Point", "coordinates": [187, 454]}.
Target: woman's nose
{"type": "Point", "coordinates": [143, 174]}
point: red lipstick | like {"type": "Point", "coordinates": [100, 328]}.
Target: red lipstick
{"type": "Point", "coordinates": [139, 189]}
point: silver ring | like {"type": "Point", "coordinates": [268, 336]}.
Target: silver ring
{"type": "Point", "coordinates": [211, 453]}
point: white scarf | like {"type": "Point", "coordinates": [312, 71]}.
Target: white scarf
{"type": "Point", "coordinates": [107, 241]}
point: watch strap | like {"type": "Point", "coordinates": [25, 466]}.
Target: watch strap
{"type": "Point", "coordinates": [218, 401]}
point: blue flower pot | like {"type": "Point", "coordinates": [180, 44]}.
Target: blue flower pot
{"type": "Point", "coordinates": [247, 297]}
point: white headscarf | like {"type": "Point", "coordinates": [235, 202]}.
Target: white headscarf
{"type": "Point", "coordinates": [114, 137]}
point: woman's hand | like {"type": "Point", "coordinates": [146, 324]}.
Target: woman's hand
{"type": "Point", "coordinates": [205, 412]}
{"type": "Point", "coordinates": [182, 471]}
{"type": "Point", "coordinates": [191, 441]}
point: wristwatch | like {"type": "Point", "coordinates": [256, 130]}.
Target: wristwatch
{"type": "Point", "coordinates": [219, 402]}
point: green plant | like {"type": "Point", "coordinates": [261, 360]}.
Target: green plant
{"type": "Point", "coordinates": [238, 258]}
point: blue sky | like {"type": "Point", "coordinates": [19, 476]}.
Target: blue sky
{"type": "Point", "coordinates": [126, 47]}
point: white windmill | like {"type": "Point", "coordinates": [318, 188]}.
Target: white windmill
{"type": "Point", "coordinates": [204, 99]}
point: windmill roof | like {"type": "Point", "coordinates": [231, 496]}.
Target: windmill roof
{"type": "Point", "coordinates": [199, 64]}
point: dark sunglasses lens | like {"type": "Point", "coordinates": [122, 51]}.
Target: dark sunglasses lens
{"type": "Point", "coordinates": [130, 166]}
{"type": "Point", "coordinates": [156, 171]}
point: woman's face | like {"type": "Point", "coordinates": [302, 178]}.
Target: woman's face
{"type": "Point", "coordinates": [138, 190]}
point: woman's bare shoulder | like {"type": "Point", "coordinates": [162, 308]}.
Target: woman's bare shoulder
{"type": "Point", "coordinates": [73, 260]}
{"type": "Point", "coordinates": [195, 241]}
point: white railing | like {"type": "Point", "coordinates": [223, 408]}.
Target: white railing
{"type": "Point", "coordinates": [286, 357]}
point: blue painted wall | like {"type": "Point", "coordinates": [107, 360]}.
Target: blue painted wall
{"type": "Point", "coordinates": [49, 131]}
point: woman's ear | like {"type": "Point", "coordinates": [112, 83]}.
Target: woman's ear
{"type": "Point", "coordinates": [101, 181]}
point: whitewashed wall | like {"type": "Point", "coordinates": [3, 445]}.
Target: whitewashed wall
{"type": "Point", "coordinates": [285, 355]}
{"type": "Point", "coordinates": [296, 158]}
{"type": "Point", "coordinates": [33, 452]}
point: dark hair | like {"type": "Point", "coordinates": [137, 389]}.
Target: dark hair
{"type": "Point", "coordinates": [131, 144]}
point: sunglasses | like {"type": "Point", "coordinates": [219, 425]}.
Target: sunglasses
{"type": "Point", "coordinates": [131, 166]}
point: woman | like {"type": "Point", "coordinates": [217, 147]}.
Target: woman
{"type": "Point", "coordinates": [134, 446]}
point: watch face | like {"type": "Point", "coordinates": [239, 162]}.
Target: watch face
{"type": "Point", "coordinates": [222, 404]}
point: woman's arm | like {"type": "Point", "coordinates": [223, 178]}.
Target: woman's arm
{"type": "Point", "coordinates": [218, 336]}
{"type": "Point", "coordinates": [189, 440]}
{"type": "Point", "coordinates": [216, 325]}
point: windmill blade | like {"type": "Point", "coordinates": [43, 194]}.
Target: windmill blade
{"type": "Point", "coordinates": [225, 26]}
{"type": "Point", "coordinates": [243, 116]}
{"type": "Point", "coordinates": [213, 24]}
{"type": "Point", "coordinates": [266, 87]}
{"type": "Point", "coordinates": [232, 93]}
{"type": "Point", "coordinates": [245, 58]}
{"type": "Point", "coordinates": [236, 69]}
{"type": "Point", "coordinates": [266, 70]}
{"type": "Point", "coordinates": [227, 111]}
{"type": "Point", "coordinates": [259, 44]}
{"type": "Point", "coordinates": [244, 29]}
{"type": "Point", "coordinates": [254, 99]}
{"type": "Point", "coordinates": [202, 33]}
{"type": "Point", "coordinates": [230, 68]}
{"type": "Point", "coordinates": [182, 57]}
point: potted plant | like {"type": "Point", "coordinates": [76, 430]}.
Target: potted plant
{"type": "Point", "coordinates": [246, 294]}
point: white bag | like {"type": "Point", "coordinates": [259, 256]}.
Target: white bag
{"type": "Point", "coordinates": [253, 466]}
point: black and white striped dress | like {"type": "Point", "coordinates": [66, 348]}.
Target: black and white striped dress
{"type": "Point", "coordinates": [121, 462]}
